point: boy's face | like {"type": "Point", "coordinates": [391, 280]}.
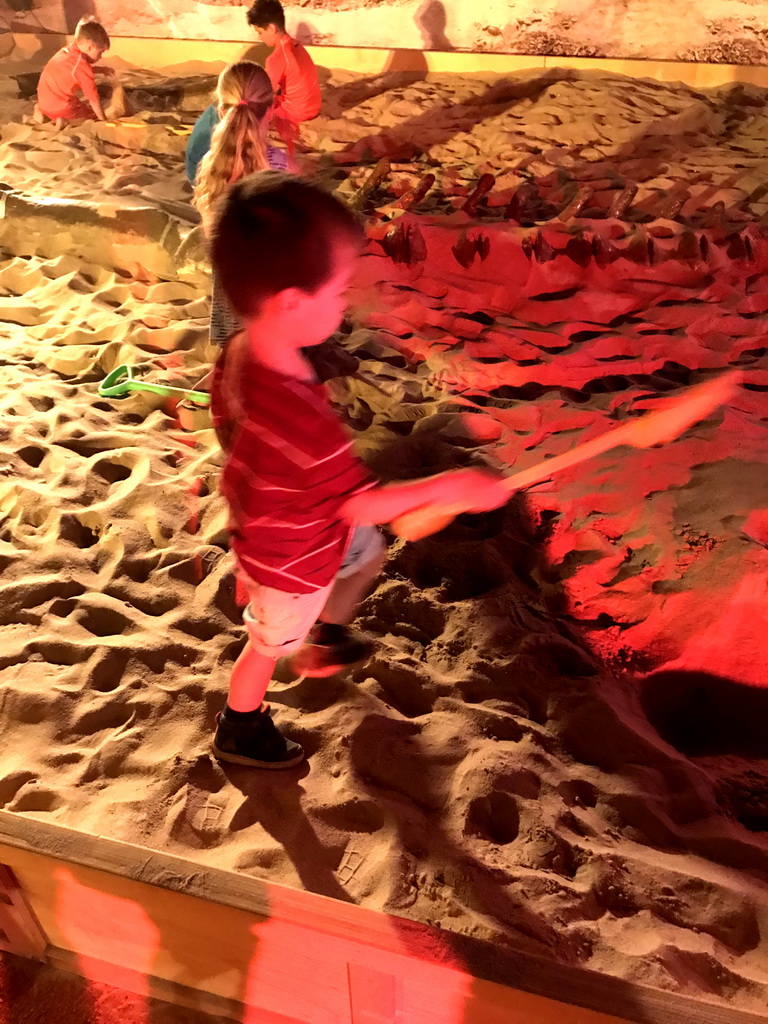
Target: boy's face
{"type": "Point", "coordinates": [269, 35]}
{"type": "Point", "coordinates": [91, 50]}
{"type": "Point", "coordinates": [322, 311]}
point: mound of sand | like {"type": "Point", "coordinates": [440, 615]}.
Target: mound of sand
{"type": "Point", "coordinates": [557, 744]}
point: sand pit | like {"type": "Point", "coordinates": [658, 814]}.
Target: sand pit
{"type": "Point", "coordinates": [559, 743]}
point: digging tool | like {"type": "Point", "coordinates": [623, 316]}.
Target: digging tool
{"type": "Point", "coordinates": [656, 427]}
{"type": "Point", "coordinates": [121, 382]}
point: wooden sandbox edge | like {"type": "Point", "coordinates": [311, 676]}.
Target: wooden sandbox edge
{"type": "Point", "coordinates": [161, 53]}
{"type": "Point", "coordinates": [219, 941]}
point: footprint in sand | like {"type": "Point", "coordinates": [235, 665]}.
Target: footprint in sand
{"type": "Point", "coordinates": [199, 809]}
{"type": "Point", "coordinates": [34, 797]}
{"type": "Point", "coordinates": [494, 818]}
{"type": "Point", "coordinates": [11, 784]}
{"type": "Point", "coordinates": [405, 684]}
{"type": "Point", "coordinates": [33, 455]}
{"type": "Point", "coordinates": [73, 531]}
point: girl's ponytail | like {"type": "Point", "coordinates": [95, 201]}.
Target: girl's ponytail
{"type": "Point", "coordinates": [238, 144]}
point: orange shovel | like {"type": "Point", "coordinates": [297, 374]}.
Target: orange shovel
{"type": "Point", "coordinates": [655, 427]}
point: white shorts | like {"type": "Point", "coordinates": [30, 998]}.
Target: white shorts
{"type": "Point", "coordinates": [278, 622]}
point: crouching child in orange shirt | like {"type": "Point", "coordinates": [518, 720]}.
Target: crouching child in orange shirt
{"type": "Point", "coordinates": [290, 68]}
{"type": "Point", "coordinates": [70, 73]}
{"type": "Point", "coordinates": [303, 508]}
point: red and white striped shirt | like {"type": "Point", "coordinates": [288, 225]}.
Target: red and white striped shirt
{"type": "Point", "coordinates": [289, 469]}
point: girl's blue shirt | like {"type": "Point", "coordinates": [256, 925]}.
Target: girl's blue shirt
{"type": "Point", "coordinates": [200, 142]}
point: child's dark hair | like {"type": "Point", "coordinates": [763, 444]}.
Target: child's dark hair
{"type": "Point", "coordinates": [274, 231]}
{"type": "Point", "coordinates": [93, 32]}
{"type": "Point", "coordinates": [266, 12]}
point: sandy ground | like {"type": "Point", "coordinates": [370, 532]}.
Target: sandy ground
{"type": "Point", "coordinates": [559, 743]}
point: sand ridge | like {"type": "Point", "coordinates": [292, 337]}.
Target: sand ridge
{"type": "Point", "coordinates": [499, 767]}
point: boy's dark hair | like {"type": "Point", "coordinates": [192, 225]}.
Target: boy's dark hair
{"type": "Point", "coordinates": [266, 12]}
{"type": "Point", "coordinates": [92, 31]}
{"type": "Point", "coordinates": [274, 231]}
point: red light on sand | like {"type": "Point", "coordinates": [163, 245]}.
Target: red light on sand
{"type": "Point", "coordinates": [738, 647]}
{"type": "Point", "coordinates": [378, 983]}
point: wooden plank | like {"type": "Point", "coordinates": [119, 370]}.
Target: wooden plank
{"type": "Point", "coordinates": [133, 935]}
{"type": "Point", "coordinates": [372, 995]}
{"type": "Point", "coordinates": [126, 932]}
{"type": "Point", "coordinates": [164, 53]}
{"type": "Point", "coordinates": [297, 955]}
{"type": "Point", "coordinates": [101, 972]}
{"type": "Point", "coordinates": [701, 76]}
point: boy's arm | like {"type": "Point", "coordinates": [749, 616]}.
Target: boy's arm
{"type": "Point", "coordinates": [476, 490]}
{"type": "Point", "coordinates": [97, 109]}
{"type": "Point", "coordinates": [200, 140]}
{"type": "Point", "coordinates": [291, 68]}
{"type": "Point", "coordinates": [84, 77]}
{"type": "Point", "coordinates": [274, 65]}
{"type": "Point", "coordinates": [300, 81]}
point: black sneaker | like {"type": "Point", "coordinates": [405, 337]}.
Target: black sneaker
{"type": "Point", "coordinates": [329, 648]}
{"type": "Point", "coordinates": [254, 740]}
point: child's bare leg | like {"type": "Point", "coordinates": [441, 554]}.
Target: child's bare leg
{"type": "Point", "coordinates": [251, 675]}
{"type": "Point", "coordinates": [347, 593]}
{"type": "Point", "coordinates": [37, 115]}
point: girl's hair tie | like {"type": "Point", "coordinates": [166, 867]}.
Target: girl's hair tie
{"type": "Point", "coordinates": [242, 103]}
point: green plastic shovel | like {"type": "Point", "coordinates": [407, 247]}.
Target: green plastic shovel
{"type": "Point", "coordinates": [121, 381]}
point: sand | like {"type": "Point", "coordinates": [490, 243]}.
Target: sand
{"type": "Point", "coordinates": [558, 744]}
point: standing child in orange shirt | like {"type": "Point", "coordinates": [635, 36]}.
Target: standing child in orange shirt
{"type": "Point", "coordinates": [290, 68]}
{"type": "Point", "coordinates": [71, 71]}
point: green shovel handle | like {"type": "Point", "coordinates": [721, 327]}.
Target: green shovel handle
{"type": "Point", "coordinates": [120, 382]}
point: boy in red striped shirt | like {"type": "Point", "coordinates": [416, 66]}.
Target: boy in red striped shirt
{"type": "Point", "coordinates": [303, 507]}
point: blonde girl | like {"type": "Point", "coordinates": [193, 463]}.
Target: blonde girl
{"type": "Point", "coordinates": [238, 148]}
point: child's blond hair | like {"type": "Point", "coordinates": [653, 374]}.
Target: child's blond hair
{"type": "Point", "coordinates": [238, 144]}
{"type": "Point", "coordinates": [92, 31]}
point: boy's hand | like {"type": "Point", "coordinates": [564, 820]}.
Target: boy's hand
{"type": "Point", "coordinates": [477, 490]}
{"type": "Point", "coordinates": [463, 490]}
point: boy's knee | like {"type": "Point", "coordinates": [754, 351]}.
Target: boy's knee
{"type": "Point", "coordinates": [269, 639]}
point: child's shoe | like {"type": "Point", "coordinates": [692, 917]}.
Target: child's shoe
{"type": "Point", "coordinates": [328, 649]}
{"type": "Point", "coordinates": [251, 738]}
